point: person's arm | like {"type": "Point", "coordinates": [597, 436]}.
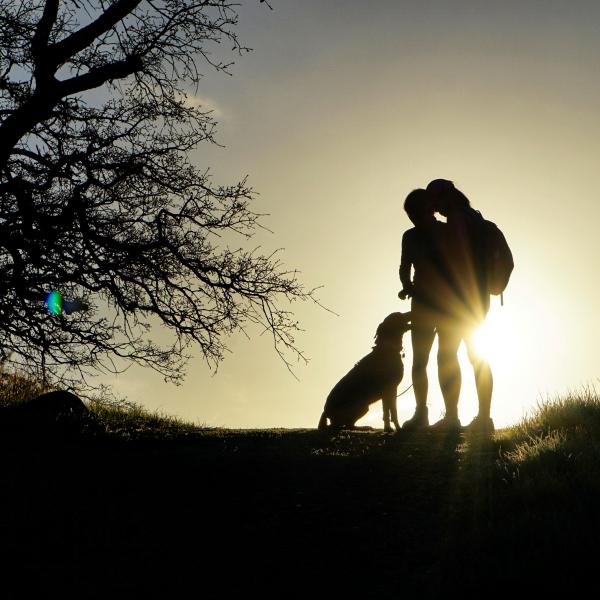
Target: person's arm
{"type": "Point", "coordinates": [406, 263]}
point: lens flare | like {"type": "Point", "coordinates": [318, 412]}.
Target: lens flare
{"type": "Point", "coordinates": [493, 341]}
{"type": "Point", "coordinates": [484, 342]}
{"type": "Point", "coordinates": [54, 303]}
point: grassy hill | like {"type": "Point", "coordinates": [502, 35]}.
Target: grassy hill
{"type": "Point", "coordinates": [146, 506]}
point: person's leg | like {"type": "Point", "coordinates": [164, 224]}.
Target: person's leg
{"type": "Point", "coordinates": [483, 380]}
{"type": "Point", "coordinates": [422, 340]}
{"type": "Point", "coordinates": [449, 339]}
{"type": "Point", "coordinates": [422, 336]}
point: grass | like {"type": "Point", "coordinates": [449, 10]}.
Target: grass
{"type": "Point", "coordinates": [557, 447]}
{"type": "Point", "coordinates": [154, 504]}
{"type": "Point", "coordinates": [536, 505]}
{"type": "Point", "coordinates": [16, 388]}
{"type": "Point", "coordinates": [118, 418]}
{"type": "Point", "coordinates": [131, 421]}
{"type": "Point", "coordinates": [575, 410]}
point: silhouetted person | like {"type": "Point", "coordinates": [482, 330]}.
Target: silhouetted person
{"type": "Point", "coordinates": [422, 278]}
{"type": "Point", "coordinates": [466, 303]}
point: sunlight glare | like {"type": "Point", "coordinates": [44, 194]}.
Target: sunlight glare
{"type": "Point", "coordinates": [493, 340]}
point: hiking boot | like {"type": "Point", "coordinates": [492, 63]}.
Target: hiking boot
{"type": "Point", "coordinates": [480, 425]}
{"type": "Point", "coordinates": [418, 422]}
{"type": "Point", "coordinates": [446, 425]}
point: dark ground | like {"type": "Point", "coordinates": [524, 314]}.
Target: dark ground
{"type": "Point", "coordinates": [285, 513]}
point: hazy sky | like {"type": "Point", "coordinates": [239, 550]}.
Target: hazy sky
{"type": "Point", "coordinates": [340, 111]}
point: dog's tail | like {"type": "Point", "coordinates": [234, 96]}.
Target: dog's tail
{"type": "Point", "coordinates": [323, 422]}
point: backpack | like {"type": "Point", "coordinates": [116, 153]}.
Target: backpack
{"type": "Point", "coordinates": [498, 258]}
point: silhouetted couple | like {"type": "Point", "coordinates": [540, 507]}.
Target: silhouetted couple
{"type": "Point", "coordinates": [442, 270]}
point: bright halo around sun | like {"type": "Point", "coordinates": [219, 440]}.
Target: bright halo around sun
{"type": "Point", "coordinates": [494, 340]}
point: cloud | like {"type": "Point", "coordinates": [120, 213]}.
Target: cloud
{"type": "Point", "coordinates": [205, 104]}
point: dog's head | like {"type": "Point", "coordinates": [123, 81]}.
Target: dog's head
{"type": "Point", "coordinates": [392, 328]}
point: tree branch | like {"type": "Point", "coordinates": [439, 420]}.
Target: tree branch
{"type": "Point", "coordinates": [39, 42]}
{"type": "Point", "coordinates": [84, 37]}
{"type": "Point", "coordinates": [99, 76]}
{"type": "Point", "coordinates": [99, 199]}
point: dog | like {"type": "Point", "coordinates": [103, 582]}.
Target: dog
{"type": "Point", "coordinates": [375, 377]}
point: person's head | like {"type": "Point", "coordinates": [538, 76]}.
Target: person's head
{"type": "Point", "coordinates": [419, 208]}
{"type": "Point", "coordinates": [445, 197]}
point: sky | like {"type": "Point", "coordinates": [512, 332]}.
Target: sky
{"type": "Point", "coordinates": [344, 107]}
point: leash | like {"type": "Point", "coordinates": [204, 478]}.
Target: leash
{"type": "Point", "coordinates": [404, 392]}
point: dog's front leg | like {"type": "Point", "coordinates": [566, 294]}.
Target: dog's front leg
{"type": "Point", "coordinates": [386, 423]}
{"type": "Point", "coordinates": [394, 408]}
{"type": "Point", "coordinates": [387, 411]}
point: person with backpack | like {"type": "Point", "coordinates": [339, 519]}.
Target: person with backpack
{"type": "Point", "coordinates": [478, 262]}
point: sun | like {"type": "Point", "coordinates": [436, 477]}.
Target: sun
{"type": "Point", "coordinates": [493, 340]}
{"type": "Point", "coordinates": [516, 342]}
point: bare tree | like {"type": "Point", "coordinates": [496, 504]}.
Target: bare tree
{"type": "Point", "coordinates": [99, 200]}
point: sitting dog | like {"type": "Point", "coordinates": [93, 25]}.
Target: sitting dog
{"type": "Point", "coordinates": [375, 377]}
